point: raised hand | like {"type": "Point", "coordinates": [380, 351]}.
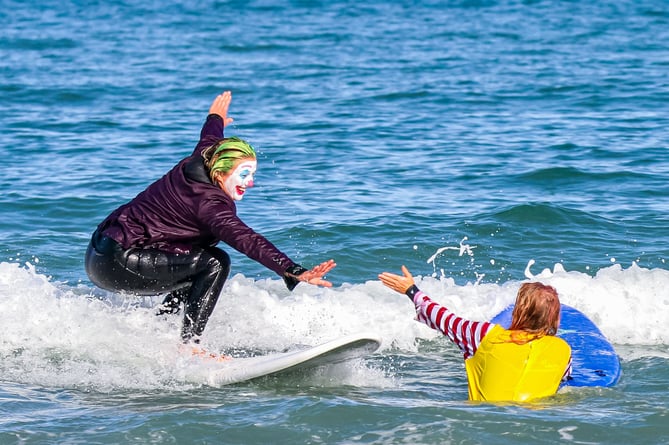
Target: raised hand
{"type": "Point", "coordinates": [220, 106]}
{"type": "Point", "coordinates": [315, 275]}
{"type": "Point", "coordinates": [396, 282]}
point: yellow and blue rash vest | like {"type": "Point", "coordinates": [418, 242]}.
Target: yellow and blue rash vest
{"type": "Point", "coordinates": [502, 370]}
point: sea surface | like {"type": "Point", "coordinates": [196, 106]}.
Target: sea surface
{"type": "Point", "coordinates": [480, 143]}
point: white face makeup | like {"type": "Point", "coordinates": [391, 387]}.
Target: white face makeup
{"type": "Point", "coordinates": [241, 178]}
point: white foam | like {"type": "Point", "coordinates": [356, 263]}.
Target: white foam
{"type": "Point", "coordinates": [54, 333]}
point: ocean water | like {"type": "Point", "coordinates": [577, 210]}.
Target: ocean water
{"type": "Point", "coordinates": [480, 143]}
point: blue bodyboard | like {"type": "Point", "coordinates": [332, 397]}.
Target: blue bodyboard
{"type": "Point", "coordinates": [594, 361]}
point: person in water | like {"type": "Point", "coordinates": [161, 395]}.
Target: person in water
{"type": "Point", "coordinates": [525, 362]}
{"type": "Point", "coordinates": [164, 240]}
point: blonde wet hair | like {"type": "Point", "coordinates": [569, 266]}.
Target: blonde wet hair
{"type": "Point", "coordinates": [536, 312]}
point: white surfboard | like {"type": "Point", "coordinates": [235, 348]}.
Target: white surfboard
{"type": "Point", "coordinates": [339, 350]}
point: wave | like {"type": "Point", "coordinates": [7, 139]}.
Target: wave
{"type": "Point", "coordinates": [78, 336]}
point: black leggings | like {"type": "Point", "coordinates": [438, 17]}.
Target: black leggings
{"type": "Point", "coordinates": [195, 278]}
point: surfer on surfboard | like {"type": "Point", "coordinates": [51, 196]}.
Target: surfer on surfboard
{"type": "Point", "coordinates": [164, 240]}
{"type": "Point", "coordinates": [525, 362]}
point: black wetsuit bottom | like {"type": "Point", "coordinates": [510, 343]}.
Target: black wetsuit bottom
{"type": "Point", "coordinates": [196, 278]}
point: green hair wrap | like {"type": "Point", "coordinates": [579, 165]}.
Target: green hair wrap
{"type": "Point", "coordinates": [230, 150]}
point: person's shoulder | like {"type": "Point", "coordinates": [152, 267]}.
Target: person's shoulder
{"type": "Point", "coordinates": [216, 201]}
{"type": "Point", "coordinates": [561, 341]}
{"type": "Point", "coordinates": [497, 331]}
{"type": "Point", "coordinates": [555, 346]}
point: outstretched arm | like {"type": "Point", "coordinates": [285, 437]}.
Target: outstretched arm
{"type": "Point", "coordinates": [466, 334]}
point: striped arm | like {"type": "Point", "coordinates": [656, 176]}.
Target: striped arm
{"type": "Point", "coordinates": [466, 334]}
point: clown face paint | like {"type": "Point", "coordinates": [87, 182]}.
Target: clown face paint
{"type": "Point", "coordinates": [239, 179]}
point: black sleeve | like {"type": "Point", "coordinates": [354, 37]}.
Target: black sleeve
{"type": "Point", "coordinates": [296, 270]}
{"type": "Point", "coordinates": [212, 132]}
{"type": "Point", "coordinates": [411, 292]}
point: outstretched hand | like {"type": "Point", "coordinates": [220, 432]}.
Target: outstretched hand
{"type": "Point", "coordinates": [396, 282]}
{"type": "Point", "coordinates": [220, 106]}
{"type": "Point", "coordinates": [316, 274]}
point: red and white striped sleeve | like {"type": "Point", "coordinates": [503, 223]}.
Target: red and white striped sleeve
{"type": "Point", "coordinates": [466, 334]}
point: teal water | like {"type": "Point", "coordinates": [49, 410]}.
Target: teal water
{"type": "Point", "coordinates": [481, 143]}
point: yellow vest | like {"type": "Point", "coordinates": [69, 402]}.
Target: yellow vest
{"type": "Point", "coordinates": [501, 370]}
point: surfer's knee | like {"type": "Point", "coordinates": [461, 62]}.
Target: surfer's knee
{"type": "Point", "coordinates": [218, 262]}
{"type": "Point", "coordinates": [99, 261]}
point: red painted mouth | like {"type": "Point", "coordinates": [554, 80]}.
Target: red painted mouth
{"type": "Point", "coordinates": [240, 190]}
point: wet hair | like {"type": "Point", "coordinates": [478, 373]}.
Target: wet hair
{"type": "Point", "coordinates": [221, 156]}
{"type": "Point", "coordinates": [536, 312]}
